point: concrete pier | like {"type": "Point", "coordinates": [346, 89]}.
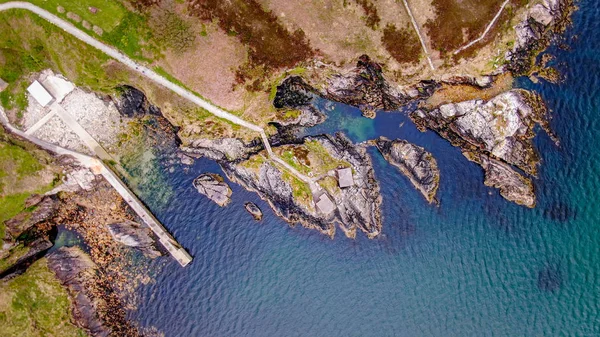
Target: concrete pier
{"type": "Point", "coordinates": [99, 167]}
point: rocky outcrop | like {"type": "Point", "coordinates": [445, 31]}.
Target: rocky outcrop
{"type": "Point", "coordinates": [221, 149]}
{"type": "Point", "coordinates": [501, 127]}
{"type": "Point", "coordinates": [254, 210]}
{"type": "Point", "coordinates": [133, 234]}
{"type": "Point", "coordinates": [75, 270]}
{"type": "Point", "coordinates": [293, 94]}
{"type": "Point", "coordinates": [362, 86]}
{"type": "Point", "coordinates": [354, 207]}
{"type": "Point", "coordinates": [39, 209]}
{"type": "Point", "coordinates": [133, 103]}
{"type": "Point", "coordinates": [414, 162]}
{"type": "Point", "coordinates": [513, 186]}
{"type": "Point", "coordinates": [499, 130]}
{"type": "Point", "coordinates": [535, 31]}
{"type": "Point", "coordinates": [158, 132]}
{"type": "Point", "coordinates": [214, 187]}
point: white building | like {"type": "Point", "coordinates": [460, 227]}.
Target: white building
{"type": "Point", "coordinates": [325, 205]}
{"type": "Point", "coordinates": [345, 178]}
{"type": "Point", "coordinates": [39, 93]}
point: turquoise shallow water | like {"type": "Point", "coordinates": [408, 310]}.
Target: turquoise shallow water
{"type": "Point", "coordinates": [474, 266]}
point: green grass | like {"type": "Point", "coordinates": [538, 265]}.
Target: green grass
{"type": "Point", "coordinates": [300, 189]}
{"type": "Point", "coordinates": [132, 37]}
{"type": "Point", "coordinates": [9, 207]}
{"type": "Point", "coordinates": [109, 15]}
{"type": "Point", "coordinates": [23, 162]}
{"type": "Point", "coordinates": [14, 255]}
{"type": "Point", "coordinates": [289, 157]}
{"type": "Point", "coordinates": [17, 162]}
{"type": "Point", "coordinates": [35, 304]}
{"type": "Point", "coordinates": [255, 162]}
{"type": "Point", "coordinates": [321, 160]}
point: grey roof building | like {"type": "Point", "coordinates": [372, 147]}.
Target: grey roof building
{"type": "Point", "coordinates": [325, 205]}
{"type": "Point", "coordinates": [345, 178]}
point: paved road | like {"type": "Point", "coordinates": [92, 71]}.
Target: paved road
{"type": "Point", "coordinates": [140, 69]}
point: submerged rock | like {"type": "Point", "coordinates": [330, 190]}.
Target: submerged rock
{"type": "Point", "coordinates": [133, 234]}
{"type": "Point", "coordinates": [550, 278]}
{"type": "Point", "coordinates": [414, 162]}
{"type": "Point", "coordinates": [75, 270]}
{"type": "Point", "coordinates": [214, 187]}
{"type": "Point", "coordinates": [253, 210]}
{"type": "Point", "coordinates": [353, 207]}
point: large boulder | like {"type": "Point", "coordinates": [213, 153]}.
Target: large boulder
{"type": "Point", "coordinates": [214, 187]}
{"type": "Point", "coordinates": [414, 162]}
{"type": "Point", "coordinates": [133, 234]}
{"type": "Point", "coordinates": [254, 210]}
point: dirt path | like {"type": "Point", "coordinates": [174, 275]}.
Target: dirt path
{"type": "Point", "coordinates": [490, 25]}
{"type": "Point", "coordinates": [416, 26]}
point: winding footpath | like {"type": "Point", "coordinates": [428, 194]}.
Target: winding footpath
{"type": "Point", "coordinates": [151, 75]}
{"type": "Point", "coordinates": [136, 67]}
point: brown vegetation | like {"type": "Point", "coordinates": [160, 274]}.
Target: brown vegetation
{"type": "Point", "coordinates": [88, 213]}
{"type": "Point", "coordinates": [171, 31]}
{"type": "Point", "coordinates": [453, 93]}
{"type": "Point", "coordinates": [270, 44]}
{"type": "Point", "coordinates": [371, 18]}
{"type": "Point", "coordinates": [458, 22]}
{"type": "Point", "coordinates": [402, 44]}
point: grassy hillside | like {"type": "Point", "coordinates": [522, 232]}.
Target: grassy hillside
{"type": "Point", "coordinates": [24, 170]}
{"type": "Point", "coordinates": [35, 304]}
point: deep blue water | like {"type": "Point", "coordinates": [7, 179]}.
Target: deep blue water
{"type": "Point", "coordinates": [476, 265]}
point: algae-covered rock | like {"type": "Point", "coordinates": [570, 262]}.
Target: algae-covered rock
{"type": "Point", "coordinates": [214, 187]}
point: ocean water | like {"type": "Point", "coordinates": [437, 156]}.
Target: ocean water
{"type": "Point", "coordinates": [476, 265]}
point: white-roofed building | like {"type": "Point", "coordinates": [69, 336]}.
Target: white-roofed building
{"type": "Point", "coordinates": [345, 178]}
{"type": "Point", "coordinates": [325, 205]}
{"type": "Point", "coordinates": [39, 93]}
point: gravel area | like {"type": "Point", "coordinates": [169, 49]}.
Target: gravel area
{"type": "Point", "coordinates": [32, 114]}
{"type": "Point", "coordinates": [56, 131]}
{"type": "Point", "coordinates": [100, 119]}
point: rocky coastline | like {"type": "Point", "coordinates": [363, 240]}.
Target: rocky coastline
{"type": "Point", "coordinates": [354, 207]}
{"type": "Point", "coordinates": [495, 132]}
